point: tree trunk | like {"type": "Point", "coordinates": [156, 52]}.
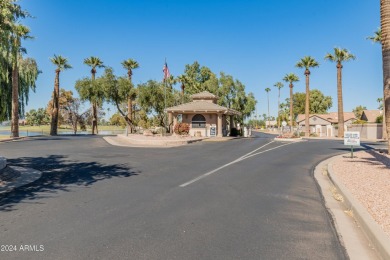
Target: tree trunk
{"type": "Point", "coordinates": [279, 109]}
{"type": "Point", "coordinates": [268, 111]}
{"type": "Point", "coordinates": [291, 106]}
{"type": "Point", "coordinates": [15, 100]}
{"type": "Point", "coordinates": [94, 107]}
{"type": "Point", "coordinates": [182, 93]}
{"type": "Point", "coordinates": [130, 113]}
{"type": "Point", "coordinates": [130, 105]}
{"type": "Point", "coordinates": [54, 114]}
{"type": "Point", "coordinates": [385, 26]}
{"type": "Point", "coordinates": [307, 105]}
{"type": "Point", "coordinates": [340, 108]}
{"type": "Point", "coordinates": [94, 118]}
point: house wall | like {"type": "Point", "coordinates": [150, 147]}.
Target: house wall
{"type": "Point", "coordinates": [314, 120]}
{"type": "Point", "coordinates": [211, 119]}
{"type": "Point", "coordinates": [368, 131]}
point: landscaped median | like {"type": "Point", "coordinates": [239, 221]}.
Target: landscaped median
{"type": "Point", "coordinates": [288, 139]}
{"type": "Point", "coordinates": [151, 141]}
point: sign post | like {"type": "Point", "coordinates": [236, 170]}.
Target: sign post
{"type": "Point", "coordinates": [352, 139]}
{"type": "Point", "coordinates": [284, 123]}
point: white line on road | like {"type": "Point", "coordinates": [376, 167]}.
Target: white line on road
{"type": "Point", "coordinates": [255, 150]}
{"type": "Point", "coordinates": [248, 155]}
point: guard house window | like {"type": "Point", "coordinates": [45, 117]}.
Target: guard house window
{"type": "Point", "coordinates": [198, 121]}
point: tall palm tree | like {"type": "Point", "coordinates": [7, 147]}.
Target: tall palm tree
{"type": "Point", "coordinates": [94, 62]}
{"type": "Point", "coordinates": [279, 85]}
{"type": "Point", "coordinates": [291, 78]}
{"type": "Point", "coordinates": [307, 62]}
{"type": "Point", "coordinates": [183, 80]}
{"type": "Point", "coordinates": [385, 40]}
{"type": "Point", "coordinates": [339, 56]}
{"type": "Point", "coordinates": [268, 90]}
{"type": "Point", "coordinates": [18, 33]}
{"type": "Point", "coordinates": [61, 64]}
{"type": "Point", "coordinates": [129, 65]}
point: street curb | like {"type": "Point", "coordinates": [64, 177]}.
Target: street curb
{"type": "Point", "coordinates": [373, 231]}
{"type": "Point", "coordinates": [13, 139]}
{"type": "Point", "coordinates": [158, 142]}
{"type": "Point", "coordinates": [3, 163]}
{"type": "Point", "coordinates": [27, 176]}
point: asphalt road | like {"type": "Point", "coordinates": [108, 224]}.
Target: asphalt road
{"type": "Point", "coordinates": [240, 199]}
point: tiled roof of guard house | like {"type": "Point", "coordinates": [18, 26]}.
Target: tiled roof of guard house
{"type": "Point", "coordinates": [203, 95]}
{"type": "Point", "coordinates": [201, 104]}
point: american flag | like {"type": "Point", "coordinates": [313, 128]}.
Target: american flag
{"type": "Point", "coordinates": [166, 71]}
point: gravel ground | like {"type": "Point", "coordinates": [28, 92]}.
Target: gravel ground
{"type": "Point", "coordinates": [368, 178]}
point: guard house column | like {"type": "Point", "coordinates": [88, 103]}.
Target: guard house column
{"type": "Point", "coordinates": [219, 130]}
{"type": "Point", "coordinates": [174, 119]}
{"type": "Point", "coordinates": [170, 122]}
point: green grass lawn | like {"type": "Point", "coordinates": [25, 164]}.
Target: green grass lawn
{"type": "Point", "coordinates": [46, 128]}
{"type": "Point", "coordinates": [5, 131]}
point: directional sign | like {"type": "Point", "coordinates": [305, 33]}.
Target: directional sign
{"type": "Point", "coordinates": [352, 138]}
{"type": "Point", "coordinates": [284, 123]}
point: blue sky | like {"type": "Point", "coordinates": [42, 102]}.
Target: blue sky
{"type": "Point", "coordinates": [257, 42]}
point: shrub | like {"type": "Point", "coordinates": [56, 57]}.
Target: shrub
{"type": "Point", "coordinates": [359, 122]}
{"type": "Point", "coordinates": [182, 129]}
{"type": "Point", "coordinates": [379, 119]}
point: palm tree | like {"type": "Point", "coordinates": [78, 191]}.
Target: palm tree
{"type": "Point", "coordinates": [62, 64]}
{"type": "Point", "coordinates": [385, 32]}
{"type": "Point", "coordinates": [18, 33]}
{"type": "Point", "coordinates": [339, 56]}
{"type": "Point", "coordinates": [94, 62]}
{"type": "Point", "coordinates": [279, 85]}
{"type": "Point", "coordinates": [291, 78]}
{"type": "Point", "coordinates": [130, 64]}
{"type": "Point", "coordinates": [377, 38]}
{"type": "Point", "coordinates": [380, 101]}
{"type": "Point", "coordinates": [183, 80]}
{"type": "Point", "coordinates": [268, 90]}
{"type": "Point", "coordinates": [307, 62]}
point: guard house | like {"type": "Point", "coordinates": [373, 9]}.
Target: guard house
{"type": "Point", "coordinates": [204, 115]}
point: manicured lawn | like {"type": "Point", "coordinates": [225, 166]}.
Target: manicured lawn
{"type": "Point", "coordinates": [46, 128]}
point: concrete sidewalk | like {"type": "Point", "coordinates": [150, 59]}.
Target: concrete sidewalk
{"type": "Point", "coordinates": [358, 231]}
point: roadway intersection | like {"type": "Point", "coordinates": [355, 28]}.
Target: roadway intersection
{"type": "Point", "coordinates": [241, 199]}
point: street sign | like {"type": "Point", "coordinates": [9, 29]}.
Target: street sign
{"type": "Point", "coordinates": [352, 138]}
{"type": "Point", "coordinates": [284, 123]}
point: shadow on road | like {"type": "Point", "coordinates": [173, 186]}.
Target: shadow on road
{"type": "Point", "coordinates": [57, 174]}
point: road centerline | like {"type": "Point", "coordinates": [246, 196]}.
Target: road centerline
{"type": "Point", "coordinates": [244, 157]}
